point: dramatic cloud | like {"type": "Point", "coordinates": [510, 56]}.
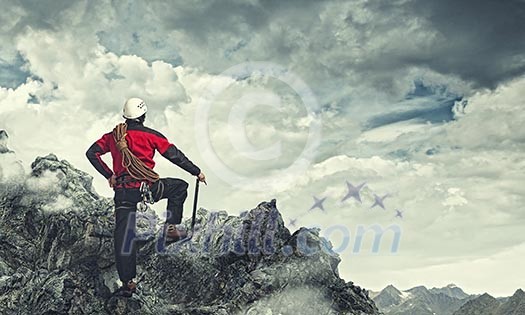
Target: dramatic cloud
{"type": "Point", "coordinates": [481, 41]}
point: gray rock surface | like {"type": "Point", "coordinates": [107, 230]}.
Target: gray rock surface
{"type": "Point", "coordinates": [420, 300]}
{"type": "Point", "coordinates": [388, 297]}
{"type": "Point", "coordinates": [449, 300]}
{"type": "Point", "coordinates": [56, 257]}
{"type": "Point", "coordinates": [10, 167]}
{"type": "Point", "coordinates": [3, 142]}
{"type": "Point", "coordinates": [451, 290]}
{"type": "Point", "coordinates": [488, 305]}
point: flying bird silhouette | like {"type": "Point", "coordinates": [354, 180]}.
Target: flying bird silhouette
{"type": "Point", "coordinates": [318, 203]}
{"type": "Point", "coordinates": [353, 191]}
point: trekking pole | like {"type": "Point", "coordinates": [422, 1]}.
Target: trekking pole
{"type": "Point", "coordinates": [194, 206]}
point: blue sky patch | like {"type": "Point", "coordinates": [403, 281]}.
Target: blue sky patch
{"type": "Point", "coordinates": [12, 74]}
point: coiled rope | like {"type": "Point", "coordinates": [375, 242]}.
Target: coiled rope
{"type": "Point", "coordinates": [135, 167]}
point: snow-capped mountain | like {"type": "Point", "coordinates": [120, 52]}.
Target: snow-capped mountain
{"type": "Point", "coordinates": [451, 290]}
{"type": "Point", "coordinates": [420, 300]}
{"type": "Point", "coordinates": [449, 300]}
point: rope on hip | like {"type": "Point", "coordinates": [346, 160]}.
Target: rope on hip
{"type": "Point", "coordinates": [135, 167]}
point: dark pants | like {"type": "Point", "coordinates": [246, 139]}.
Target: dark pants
{"type": "Point", "coordinates": [126, 199]}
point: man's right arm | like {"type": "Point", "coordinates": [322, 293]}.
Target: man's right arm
{"type": "Point", "coordinates": [100, 147]}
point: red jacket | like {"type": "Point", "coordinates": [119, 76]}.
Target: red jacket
{"type": "Point", "coordinates": [143, 142]}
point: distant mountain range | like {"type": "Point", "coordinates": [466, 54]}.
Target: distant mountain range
{"type": "Point", "coordinates": [488, 305]}
{"type": "Point", "coordinates": [449, 300]}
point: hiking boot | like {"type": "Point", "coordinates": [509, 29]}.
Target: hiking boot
{"type": "Point", "coordinates": [174, 234]}
{"type": "Point", "coordinates": [127, 289]}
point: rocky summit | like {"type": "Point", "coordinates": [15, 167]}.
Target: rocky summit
{"type": "Point", "coordinates": [56, 257]}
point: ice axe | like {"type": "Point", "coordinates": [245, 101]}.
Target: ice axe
{"type": "Point", "coordinates": [194, 214]}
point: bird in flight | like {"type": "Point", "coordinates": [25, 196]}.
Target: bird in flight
{"type": "Point", "coordinates": [353, 191]}
{"type": "Point", "coordinates": [318, 203]}
{"type": "Point", "coordinates": [378, 201]}
{"type": "Point", "coordinates": [292, 222]}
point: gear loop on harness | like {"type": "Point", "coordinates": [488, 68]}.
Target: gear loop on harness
{"type": "Point", "coordinates": [146, 194]}
{"type": "Point", "coordinates": [146, 197]}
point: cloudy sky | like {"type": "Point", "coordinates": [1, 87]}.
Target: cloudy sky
{"type": "Point", "coordinates": [420, 100]}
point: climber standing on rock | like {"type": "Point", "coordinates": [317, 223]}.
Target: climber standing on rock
{"type": "Point", "coordinates": [132, 147]}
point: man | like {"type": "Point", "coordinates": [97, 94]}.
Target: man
{"type": "Point", "coordinates": [132, 147]}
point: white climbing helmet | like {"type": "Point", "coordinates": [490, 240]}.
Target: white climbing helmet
{"type": "Point", "coordinates": [134, 108]}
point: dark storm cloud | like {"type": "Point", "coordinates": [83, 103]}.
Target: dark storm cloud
{"type": "Point", "coordinates": [207, 17]}
{"type": "Point", "coordinates": [41, 14]}
{"type": "Point", "coordinates": [228, 32]}
{"type": "Point", "coordinates": [326, 42]}
{"type": "Point", "coordinates": [482, 40]}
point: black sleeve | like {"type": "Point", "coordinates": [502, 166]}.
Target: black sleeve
{"type": "Point", "coordinates": [93, 154]}
{"type": "Point", "coordinates": [178, 158]}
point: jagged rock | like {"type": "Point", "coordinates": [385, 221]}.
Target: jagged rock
{"type": "Point", "coordinates": [11, 169]}
{"type": "Point", "coordinates": [451, 290]}
{"type": "Point", "coordinates": [389, 296]}
{"type": "Point", "coordinates": [514, 305]}
{"type": "Point", "coordinates": [57, 258]}
{"type": "Point", "coordinates": [72, 182]}
{"type": "Point", "coordinates": [484, 304]}
{"type": "Point", "coordinates": [450, 300]}
{"type": "Point", "coordinates": [3, 142]}
{"type": "Point", "coordinates": [421, 301]}
{"type": "Point", "coordinates": [488, 305]}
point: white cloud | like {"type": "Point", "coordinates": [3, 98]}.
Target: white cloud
{"type": "Point", "coordinates": [46, 183]}
{"type": "Point", "coordinates": [60, 203]}
{"type": "Point", "coordinates": [460, 204]}
{"type": "Point", "coordinates": [492, 121]}
{"type": "Point", "coordinates": [467, 273]}
{"type": "Point", "coordinates": [455, 198]}
{"type": "Point", "coordinates": [77, 97]}
{"type": "Point", "coordinates": [11, 169]}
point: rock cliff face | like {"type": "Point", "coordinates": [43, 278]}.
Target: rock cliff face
{"type": "Point", "coordinates": [488, 305]}
{"type": "Point", "coordinates": [9, 165]}
{"type": "Point", "coordinates": [3, 142]}
{"type": "Point", "coordinates": [56, 257]}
